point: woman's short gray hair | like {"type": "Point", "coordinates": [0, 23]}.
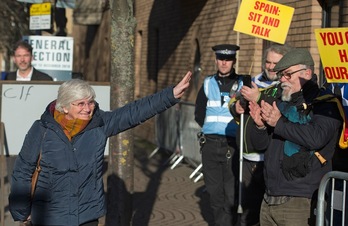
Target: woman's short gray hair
{"type": "Point", "coordinates": [72, 90]}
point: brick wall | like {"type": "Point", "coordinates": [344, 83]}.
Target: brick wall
{"type": "Point", "coordinates": [345, 14]}
{"type": "Point", "coordinates": [172, 31]}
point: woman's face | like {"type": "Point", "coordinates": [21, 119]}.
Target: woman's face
{"type": "Point", "coordinates": [80, 109]}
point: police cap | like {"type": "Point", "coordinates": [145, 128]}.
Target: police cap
{"type": "Point", "coordinates": [225, 51]}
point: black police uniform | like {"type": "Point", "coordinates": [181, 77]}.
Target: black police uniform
{"type": "Point", "coordinates": [219, 152]}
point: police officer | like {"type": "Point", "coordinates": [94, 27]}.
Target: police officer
{"type": "Point", "coordinates": [219, 151]}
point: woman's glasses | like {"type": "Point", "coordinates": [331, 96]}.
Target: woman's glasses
{"type": "Point", "coordinates": [81, 105]}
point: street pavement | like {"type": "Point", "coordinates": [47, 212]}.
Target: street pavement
{"type": "Point", "coordinates": [165, 196]}
{"type": "Point", "coordinates": [162, 196]}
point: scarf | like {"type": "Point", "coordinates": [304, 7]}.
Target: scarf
{"type": "Point", "coordinates": [291, 113]}
{"type": "Point", "coordinates": [296, 158]}
{"type": "Point", "coordinates": [70, 127]}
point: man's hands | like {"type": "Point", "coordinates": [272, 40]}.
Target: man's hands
{"type": "Point", "coordinates": [250, 94]}
{"type": "Point", "coordinates": [239, 107]}
{"type": "Point", "coordinates": [27, 222]}
{"type": "Point", "coordinates": [182, 86]}
{"type": "Point", "coordinates": [270, 113]}
{"type": "Point", "coordinates": [264, 114]}
{"type": "Point", "coordinates": [255, 113]}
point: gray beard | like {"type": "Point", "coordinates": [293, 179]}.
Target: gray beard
{"type": "Point", "coordinates": [286, 97]}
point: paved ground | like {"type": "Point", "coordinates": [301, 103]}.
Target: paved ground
{"type": "Point", "coordinates": [162, 196]}
{"type": "Point", "coordinates": [165, 196]}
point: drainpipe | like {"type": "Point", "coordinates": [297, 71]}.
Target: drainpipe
{"type": "Point", "coordinates": [324, 22]}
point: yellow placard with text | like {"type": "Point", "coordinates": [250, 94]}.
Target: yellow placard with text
{"type": "Point", "coordinates": [264, 19]}
{"type": "Point", "coordinates": [40, 9]}
{"type": "Point", "coordinates": [333, 50]}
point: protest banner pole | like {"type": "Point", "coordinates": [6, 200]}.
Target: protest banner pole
{"type": "Point", "coordinates": [240, 208]}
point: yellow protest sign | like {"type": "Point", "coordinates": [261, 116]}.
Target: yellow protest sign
{"type": "Point", "coordinates": [40, 16]}
{"type": "Point", "coordinates": [264, 19]}
{"type": "Point", "coordinates": [333, 50]}
{"type": "Point", "coordinates": [40, 9]}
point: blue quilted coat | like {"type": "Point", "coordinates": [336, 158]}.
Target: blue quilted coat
{"type": "Point", "coordinates": [70, 188]}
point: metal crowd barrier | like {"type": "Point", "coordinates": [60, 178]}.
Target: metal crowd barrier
{"type": "Point", "coordinates": [333, 186]}
{"type": "Point", "coordinates": [166, 129]}
{"type": "Point", "coordinates": [176, 131]}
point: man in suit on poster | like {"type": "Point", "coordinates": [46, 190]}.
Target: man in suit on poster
{"type": "Point", "coordinates": [22, 57]}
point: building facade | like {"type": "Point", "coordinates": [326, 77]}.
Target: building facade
{"type": "Point", "coordinates": [175, 36]}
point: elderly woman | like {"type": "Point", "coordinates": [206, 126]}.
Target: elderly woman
{"type": "Point", "coordinates": [71, 136]}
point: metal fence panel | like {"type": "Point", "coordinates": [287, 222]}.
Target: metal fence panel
{"type": "Point", "coordinates": [188, 133]}
{"type": "Point", "coordinates": [167, 130]}
{"type": "Point", "coordinates": [333, 186]}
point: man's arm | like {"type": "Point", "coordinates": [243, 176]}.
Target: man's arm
{"type": "Point", "coordinates": [324, 124]}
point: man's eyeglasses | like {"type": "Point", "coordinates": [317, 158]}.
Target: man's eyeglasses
{"type": "Point", "coordinates": [81, 105]}
{"type": "Point", "coordinates": [287, 75]}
